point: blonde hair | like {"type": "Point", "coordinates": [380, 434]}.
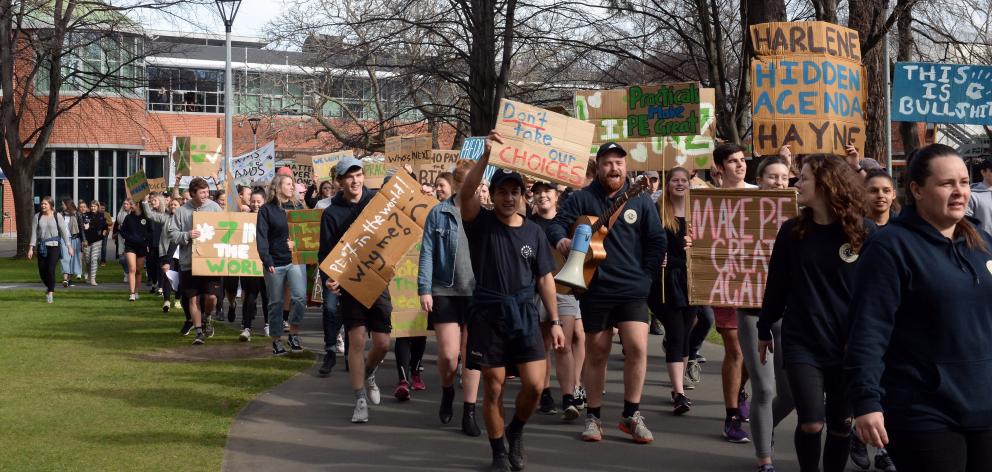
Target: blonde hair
{"type": "Point", "coordinates": [668, 220]}
{"type": "Point", "coordinates": [274, 189]}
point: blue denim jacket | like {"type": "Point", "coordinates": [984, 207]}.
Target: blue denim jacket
{"type": "Point", "coordinates": [439, 247]}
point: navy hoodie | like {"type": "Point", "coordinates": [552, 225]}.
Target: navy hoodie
{"type": "Point", "coordinates": [920, 346]}
{"type": "Point", "coordinates": [634, 246]}
{"type": "Point", "coordinates": [337, 218]}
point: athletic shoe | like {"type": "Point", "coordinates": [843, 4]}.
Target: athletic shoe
{"type": "Point", "coordinates": [700, 359]}
{"type": "Point", "coordinates": [245, 335]}
{"type": "Point", "coordinates": [680, 404]}
{"type": "Point", "coordinates": [177, 304]}
{"type": "Point", "coordinates": [158, 291]}
{"type": "Point", "coordinates": [294, 343]}
{"type": "Point", "coordinates": [516, 452]}
{"type": "Point", "coordinates": [744, 406]}
{"type": "Point", "coordinates": [285, 326]}
{"type": "Point", "coordinates": [655, 327]}
{"type": "Point", "coordinates": [132, 297]}
{"type": "Point", "coordinates": [883, 462]}
{"type": "Point", "coordinates": [137, 296]}
{"type": "Point", "coordinates": [330, 359]}
{"type": "Point", "coordinates": [734, 432]}
{"type": "Point", "coordinates": [859, 453]}
{"type": "Point", "coordinates": [635, 427]}
{"type": "Point", "coordinates": [125, 279]}
{"type": "Point", "coordinates": [361, 413]}
{"type": "Point", "coordinates": [49, 298]}
{"type": "Point", "coordinates": [580, 397]}
{"type": "Point", "coordinates": [766, 468]}
{"type": "Point", "coordinates": [266, 329]}
{"type": "Point", "coordinates": [402, 392]}
{"type": "Point", "coordinates": [373, 390]}
{"type": "Point", "coordinates": [198, 340]}
{"type": "Point", "coordinates": [470, 426]}
{"type": "Point", "coordinates": [65, 283]}
{"type": "Point", "coordinates": [694, 371]}
{"type": "Point", "coordinates": [501, 463]}
{"type": "Point", "coordinates": [187, 327]}
{"type": "Point", "coordinates": [166, 306]}
{"type": "Point", "coordinates": [569, 413]}
{"type": "Point", "coordinates": [338, 344]}
{"type": "Point", "coordinates": [93, 283]}
{"type": "Point", "coordinates": [418, 382]}
{"type": "Point", "coordinates": [278, 349]}
{"type": "Point", "coordinates": [208, 329]}
{"type": "Point", "coordinates": [231, 314]}
{"type": "Point", "coordinates": [687, 382]}
{"type": "Point", "coordinates": [547, 404]}
{"type": "Point", "coordinates": [593, 431]}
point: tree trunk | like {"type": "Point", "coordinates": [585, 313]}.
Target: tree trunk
{"type": "Point", "coordinates": [867, 17]}
{"type": "Point", "coordinates": [21, 186]}
{"type": "Point", "coordinates": [753, 12]}
{"type": "Point", "coordinates": [826, 10]}
{"type": "Point", "coordinates": [908, 132]}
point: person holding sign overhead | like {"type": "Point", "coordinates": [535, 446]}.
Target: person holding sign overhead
{"type": "Point", "coordinates": [617, 295]}
{"type": "Point", "coordinates": [358, 320]}
{"type": "Point", "coordinates": [510, 257]}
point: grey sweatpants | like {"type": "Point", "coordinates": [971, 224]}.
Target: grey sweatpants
{"type": "Point", "coordinates": [767, 408]}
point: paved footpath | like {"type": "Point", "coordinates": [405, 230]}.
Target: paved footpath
{"type": "Point", "coordinates": [304, 425]}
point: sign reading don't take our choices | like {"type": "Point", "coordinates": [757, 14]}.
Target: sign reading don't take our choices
{"type": "Point", "coordinates": [226, 245]}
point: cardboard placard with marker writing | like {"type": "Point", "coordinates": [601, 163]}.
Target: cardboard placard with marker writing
{"type": "Point", "coordinates": [302, 170]}
{"type": "Point", "coordinates": [255, 167]}
{"type": "Point", "coordinates": [198, 156]}
{"type": "Point", "coordinates": [442, 160]}
{"type": "Point", "coordinates": [607, 110]}
{"type": "Point", "coordinates": [374, 168]}
{"type": "Point", "coordinates": [413, 150]}
{"type": "Point", "coordinates": [808, 88]}
{"type": "Point", "coordinates": [408, 319]}
{"type": "Point", "coordinates": [734, 233]}
{"type": "Point", "coordinates": [304, 230]}
{"type": "Point", "coordinates": [542, 144]}
{"type": "Point", "coordinates": [365, 258]}
{"type": "Point", "coordinates": [157, 185]}
{"type": "Point", "coordinates": [136, 186]}
{"type": "Point", "coordinates": [323, 165]}
{"type": "Point", "coordinates": [226, 245]}
{"type": "Point", "coordinates": [942, 93]}
{"type": "Point", "coordinates": [472, 150]}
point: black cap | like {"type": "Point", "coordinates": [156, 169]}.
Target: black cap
{"type": "Point", "coordinates": [610, 147]}
{"type": "Point", "coordinates": [542, 184]}
{"type": "Point", "coordinates": [501, 176]}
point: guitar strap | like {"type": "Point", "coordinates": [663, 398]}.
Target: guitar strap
{"type": "Point", "coordinates": [616, 215]}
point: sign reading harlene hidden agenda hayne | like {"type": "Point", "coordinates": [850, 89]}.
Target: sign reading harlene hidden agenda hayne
{"type": "Point", "coordinates": [542, 144]}
{"type": "Point", "coordinates": [226, 245]}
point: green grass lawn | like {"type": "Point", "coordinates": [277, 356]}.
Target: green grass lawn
{"type": "Point", "coordinates": [26, 271]}
{"type": "Point", "coordinates": [75, 395]}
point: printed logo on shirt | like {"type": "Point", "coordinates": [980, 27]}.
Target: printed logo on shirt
{"type": "Point", "coordinates": [847, 253]}
{"type": "Point", "coordinates": [630, 216]}
{"type": "Point", "coordinates": [526, 252]}
{"type": "Point", "coordinates": [142, 221]}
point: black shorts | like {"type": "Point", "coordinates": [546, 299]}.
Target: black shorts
{"type": "Point", "coordinates": [490, 345]}
{"type": "Point", "coordinates": [196, 285]}
{"type": "Point", "coordinates": [603, 315]}
{"type": "Point", "coordinates": [449, 309]}
{"type": "Point", "coordinates": [377, 319]}
{"type": "Point", "coordinates": [138, 251]}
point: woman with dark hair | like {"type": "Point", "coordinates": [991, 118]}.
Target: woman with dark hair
{"type": "Point", "coordinates": [71, 260]}
{"type": "Point", "coordinates": [48, 232]}
{"type": "Point", "coordinates": [252, 287]}
{"type": "Point", "coordinates": [810, 280]}
{"type": "Point", "coordinates": [137, 233]}
{"type": "Point", "coordinates": [919, 360]}
{"type": "Point", "coordinates": [881, 204]}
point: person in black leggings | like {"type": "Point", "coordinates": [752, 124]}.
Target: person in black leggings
{"type": "Point", "coordinates": [810, 280]}
{"type": "Point", "coordinates": [252, 287]}
{"type": "Point", "coordinates": [48, 232]}
{"type": "Point", "coordinates": [919, 360]}
{"type": "Point", "coordinates": [675, 314]}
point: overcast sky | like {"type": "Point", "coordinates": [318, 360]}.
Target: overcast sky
{"type": "Point", "coordinates": [251, 19]}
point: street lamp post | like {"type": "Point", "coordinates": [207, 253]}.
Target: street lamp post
{"type": "Point", "coordinates": [228, 10]}
{"type": "Point", "coordinates": [253, 124]}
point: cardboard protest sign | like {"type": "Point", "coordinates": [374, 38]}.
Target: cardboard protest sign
{"type": "Point", "coordinates": [256, 166]}
{"type": "Point", "coordinates": [365, 258]}
{"type": "Point", "coordinates": [441, 161]}
{"type": "Point", "coordinates": [186, 179]}
{"type": "Point", "coordinates": [198, 156]}
{"type": "Point", "coordinates": [807, 88]}
{"type": "Point", "coordinates": [734, 232]}
{"type": "Point", "coordinates": [226, 245]}
{"type": "Point", "coordinates": [136, 186]}
{"type": "Point", "coordinates": [408, 319]}
{"type": "Point", "coordinates": [302, 170]}
{"type": "Point", "coordinates": [542, 144]}
{"type": "Point", "coordinates": [304, 230]}
{"type": "Point", "coordinates": [374, 168]}
{"type": "Point", "coordinates": [413, 150]}
{"type": "Point", "coordinates": [472, 149]}
{"type": "Point", "coordinates": [604, 108]}
{"type": "Point", "coordinates": [942, 93]}
{"type": "Point", "coordinates": [157, 185]}
{"type": "Point", "coordinates": [323, 165]}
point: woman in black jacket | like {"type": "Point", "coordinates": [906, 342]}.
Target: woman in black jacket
{"type": "Point", "coordinates": [919, 360]}
{"type": "Point", "coordinates": [810, 280]}
{"type": "Point", "coordinates": [137, 233]}
{"type": "Point", "coordinates": [276, 250]}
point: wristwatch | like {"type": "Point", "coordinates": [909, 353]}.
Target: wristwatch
{"type": "Point", "coordinates": [555, 322]}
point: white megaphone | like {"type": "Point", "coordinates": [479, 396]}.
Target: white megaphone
{"type": "Point", "coordinates": [571, 273]}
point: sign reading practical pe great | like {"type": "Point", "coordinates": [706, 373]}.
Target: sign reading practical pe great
{"type": "Point", "coordinates": [542, 144]}
{"type": "Point", "coordinates": [226, 245]}
{"type": "Point", "coordinates": [942, 93]}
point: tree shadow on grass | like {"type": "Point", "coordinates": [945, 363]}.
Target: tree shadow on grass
{"type": "Point", "coordinates": [187, 401]}
{"type": "Point", "coordinates": [146, 438]}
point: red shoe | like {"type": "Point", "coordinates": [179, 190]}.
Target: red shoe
{"type": "Point", "coordinates": [418, 382]}
{"type": "Point", "coordinates": [402, 392]}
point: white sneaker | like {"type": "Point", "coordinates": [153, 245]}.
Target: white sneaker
{"type": "Point", "coordinates": [245, 335]}
{"type": "Point", "coordinates": [266, 330]}
{"type": "Point", "coordinates": [177, 304]}
{"type": "Point", "coordinates": [361, 414]}
{"type": "Point", "coordinates": [49, 298]}
{"type": "Point", "coordinates": [373, 390]}
{"type": "Point", "coordinates": [136, 296]}
{"type": "Point", "coordinates": [132, 297]}
{"type": "Point", "coordinates": [339, 344]}
{"type": "Point", "coordinates": [125, 279]}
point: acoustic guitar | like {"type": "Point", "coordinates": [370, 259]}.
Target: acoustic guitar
{"type": "Point", "coordinates": [601, 227]}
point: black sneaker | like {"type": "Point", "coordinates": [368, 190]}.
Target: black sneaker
{"type": "Point", "coordinates": [198, 340]}
{"type": "Point", "coordinates": [883, 462]}
{"type": "Point", "coordinates": [501, 463]}
{"type": "Point", "coordinates": [294, 343]}
{"type": "Point", "coordinates": [231, 315]}
{"type": "Point", "coordinates": [277, 349]}
{"type": "Point", "coordinates": [680, 404]}
{"type": "Point", "coordinates": [330, 359]}
{"type": "Point", "coordinates": [548, 406]}
{"type": "Point", "coordinates": [446, 411]}
{"type": "Point", "coordinates": [469, 424]}
{"type": "Point", "coordinates": [187, 327]}
{"type": "Point", "coordinates": [859, 453]}
{"type": "Point", "coordinates": [516, 454]}
{"type": "Point", "coordinates": [208, 329]}
{"type": "Point", "coordinates": [656, 328]}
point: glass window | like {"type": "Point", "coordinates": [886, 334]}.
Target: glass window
{"type": "Point", "coordinates": [121, 193]}
{"type": "Point", "coordinates": [64, 189]}
{"type": "Point", "coordinates": [42, 188]}
{"type": "Point", "coordinates": [64, 163]}
{"type": "Point", "coordinates": [107, 192]}
{"type": "Point", "coordinates": [154, 166]}
{"type": "Point", "coordinates": [121, 164]}
{"type": "Point", "coordinates": [85, 166]}
{"type": "Point", "coordinates": [44, 168]}
{"type": "Point", "coordinates": [106, 163]}
{"type": "Point", "coordinates": [86, 189]}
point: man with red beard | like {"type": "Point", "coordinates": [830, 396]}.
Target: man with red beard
{"type": "Point", "coordinates": [617, 295]}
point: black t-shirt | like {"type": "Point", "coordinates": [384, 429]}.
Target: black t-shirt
{"type": "Point", "coordinates": [504, 258]}
{"type": "Point", "coordinates": [542, 222]}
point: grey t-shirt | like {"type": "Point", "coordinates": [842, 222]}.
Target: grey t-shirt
{"type": "Point", "coordinates": [49, 227]}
